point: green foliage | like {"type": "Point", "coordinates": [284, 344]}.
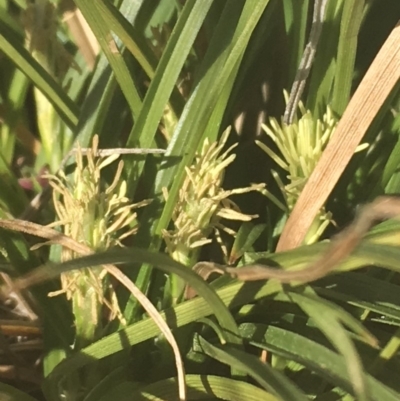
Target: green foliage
{"type": "Point", "coordinates": [172, 74]}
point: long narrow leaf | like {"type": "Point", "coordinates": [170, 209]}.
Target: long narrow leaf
{"type": "Point", "coordinates": [100, 27]}
{"type": "Point", "coordinates": [347, 49]}
{"type": "Point", "coordinates": [266, 376]}
{"type": "Point", "coordinates": [14, 49]}
{"type": "Point", "coordinates": [330, 325]}
{"type": "Point", "coordinates": [199, 387]}
{"type": "Point", "coordinates": [314, 356]}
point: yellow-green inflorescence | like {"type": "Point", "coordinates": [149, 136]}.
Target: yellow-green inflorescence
{"type": "Point", "coordinates": [301, 145]}
{"type": "Point", "coordinates": [201, 206]}
{"type": "Point", "coordinates": [99, 218]}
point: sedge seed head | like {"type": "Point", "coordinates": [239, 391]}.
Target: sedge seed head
{"type": "Point", "coordinates": [202, 202]}
{"type": "Point", "coordinates": [93, 215]}
{"type": "Point", "coordinates": [300, 146]}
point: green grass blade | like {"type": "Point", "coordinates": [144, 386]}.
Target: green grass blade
{"type": "Point", "coordinates": [133, 41]}
{"type": "Point", "coordinates": [323, 72]}
{"type": "Point", "coordinates": [269, 378]}
{"type": "Point", "coordinates": [390, 173]}
{"type": "Point", "coordinates": [367, 293]}
{"type": "Point", "coordinates": [102, 92]}
{"type": "Point", "coordinates": [199, 386]}
{"type": "Point", "coordinates": [245, 238]}
{"type": "Point", "coordinates": [101, 28]}
{"type": "Point", "coordinates": [163, 262]}
{"type": "Point", "coordinates": [314, 356]}
{"type": "Point", "coordinates": [214, 125]}
{"type": "Point", "coordinates": [9, 20]}
{"type": "Point", "coordinates": [168, 69]}
{"type": "Point", "coordinates": [14, 49]}
{"type": "Point", "coordinates": [341, 315]}
{"type": "Point", "coordinates": [330, 325]}
{"type": "Point", "coordinates": [347, 49]}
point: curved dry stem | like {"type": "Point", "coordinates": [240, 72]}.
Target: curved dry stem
{"type": "Point", "coordinates": [382, 208]}
{"type": "Point", "coordinates": [40, 275]}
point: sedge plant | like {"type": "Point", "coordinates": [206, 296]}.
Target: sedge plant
{"type": "Point", "coordinates": [169, 74]}
{"type": "Point", "coordinates": [100, 218]}
{"type": "Point", "coordinates": [202, 206]}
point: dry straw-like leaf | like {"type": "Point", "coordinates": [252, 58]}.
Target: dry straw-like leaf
{"type": "Point", "coordinates": [372, 92]}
